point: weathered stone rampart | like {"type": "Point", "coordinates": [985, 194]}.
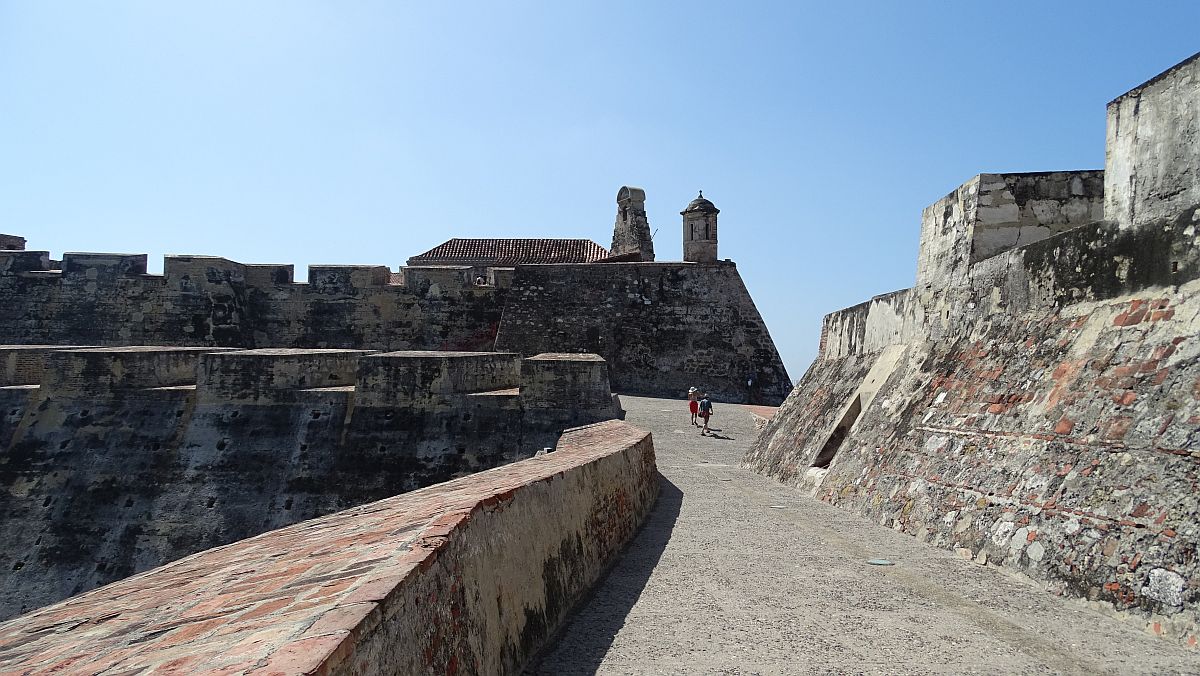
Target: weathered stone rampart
{"type": "Point", "coordinates": [662, 327]}
{"type": "Point", "coordinates": [108, 299]}
{"type": "Point", "coordinates": [122, 459]}
{"type": "Point", "coordinates": [1151, 158]}
{"type": "Point", "coordinates": [1037, 409]}
{"type": "Point", "coordinates": [470, 576]}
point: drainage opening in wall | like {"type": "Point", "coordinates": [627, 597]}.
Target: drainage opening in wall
{"type": "Point", "coordinates": [839, 434]}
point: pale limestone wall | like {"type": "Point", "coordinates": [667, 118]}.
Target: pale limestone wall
{"type": "Point", "coordinates": [994, 213]}
{"type": "Point", "coordinates": [1045, 416]}
{"type": "Point", "coordinates": [945, 251]}
{"type": "Point", "coordinates": [1152, 158]}
{"type": "Point", "coordinates": [890, 319]}
{"type": "Point", "coordinates": [1019, 209]}
{"type": "Point", "coordinates": [470, 576]}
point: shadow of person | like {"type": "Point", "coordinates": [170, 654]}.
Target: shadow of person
{"type": "Point", "coordinates": [712, 434]}
{"type": "Point", "coordinates": [589, 632]}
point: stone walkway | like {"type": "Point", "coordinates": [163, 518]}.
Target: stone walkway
{"type": "Point", "coordinates": [735, 573]}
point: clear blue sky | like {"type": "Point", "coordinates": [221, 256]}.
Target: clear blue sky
{"type": "Point", "coordinates": [366, 132]}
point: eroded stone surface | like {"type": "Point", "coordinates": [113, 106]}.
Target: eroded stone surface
{"type": "Point", "coordinates": [1039, 408]}
{"type": "Point", "coordinates": [123, 459]}
{"type": "Point", "coordinates": [468, 576]}
{"type": "Point", "coordinates": [736, 573]}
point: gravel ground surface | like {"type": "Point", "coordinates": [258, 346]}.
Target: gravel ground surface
{"type": "Point", "coordinates": [735, 573]}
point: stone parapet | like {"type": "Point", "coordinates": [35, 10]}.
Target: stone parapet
{"type": "Point", "coordinates": [1151, 154]}
{"type": "Point", "coordinates": [347, 278]}
{"type": "Point", "coordinates": [14, 262]}
{"type": "Point", "coordinates": [104, 370]}
{"type": "Point", "coordinates": [102, 266]}
{"type": "Point", "coordinates": [442, 276]}
{"type": "Point", "coordinates": [566, 385]}
{"type": "Point", "coordinates": [26, 364]}
{"type": "Point", "coordinates": [424, 582]}
{"type": "Point", "coordinates": [994, 213]}
{"type": "Point", "coordinates": [274, 374]}
{"type": "Point", "coordinates": [661, 327]}
{"type": "Point", "coordinates": [411, 378]}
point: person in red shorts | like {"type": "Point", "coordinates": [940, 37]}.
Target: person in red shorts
{"type": "Point", "coordinates": [694, 404]}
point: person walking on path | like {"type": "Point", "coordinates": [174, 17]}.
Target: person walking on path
{"type": "Point", "coordinates": [694, 404]}
{"type": "Point", "coordinates": [706, 411]}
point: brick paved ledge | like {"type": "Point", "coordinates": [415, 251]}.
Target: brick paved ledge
{"type": "Point", "coordinates": [467, 576]}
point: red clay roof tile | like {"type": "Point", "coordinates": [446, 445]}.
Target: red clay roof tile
{"type": "Point", "coordinates": [512, 251]}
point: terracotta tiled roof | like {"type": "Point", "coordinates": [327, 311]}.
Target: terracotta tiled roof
{"type": "Point", "coordinates": [513, 251]}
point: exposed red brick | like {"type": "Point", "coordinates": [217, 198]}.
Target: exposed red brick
{"type": "Point", "coordinates": [1160, 315]}
{"type": "Point", "coordinates": [1118, 428]}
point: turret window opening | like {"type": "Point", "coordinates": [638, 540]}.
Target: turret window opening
{"type": "Point", "coordinates": [706, 230]}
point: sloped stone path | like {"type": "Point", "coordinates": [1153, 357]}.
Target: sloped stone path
{"type": "Point", "coordinates": [737, 574]}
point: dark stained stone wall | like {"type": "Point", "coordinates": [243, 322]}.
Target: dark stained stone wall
{"type": "Point", "coordinates": [662, 327]}
{"type": "Point", "coordinates": [123, 459]}
{"type": "Point", "coordinates": [108, 299]}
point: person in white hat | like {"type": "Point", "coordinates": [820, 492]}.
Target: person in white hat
{"type": "Point", "coordinates": [694, 404]}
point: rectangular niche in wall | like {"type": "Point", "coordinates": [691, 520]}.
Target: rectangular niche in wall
{"type": "Point", "coordinates": [839, 434]}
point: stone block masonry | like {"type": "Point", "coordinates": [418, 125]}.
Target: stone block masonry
{"type": "Point", "coordinates": [662, 327]}
{"type": "Point", "coordinates": [656, 337]}
{"type": "Point", "coordinates": [1038, 408]}
{"type": "Point", "coordinates": [1152, 154]}
{"type": "Point", "coordinates": [121, 459]}
{"type": "Point", "coordinates": [108, 299]}
{"type": "Point", "coordinates": [11, 243]}
{"type": "Point", "coordinates": [470, 576]}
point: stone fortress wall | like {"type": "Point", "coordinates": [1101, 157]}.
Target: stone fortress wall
{"type": "Point", "coordinates": [471, 576]}
{"type": "Point", "coordinates": [664, 327]}
{"type": "Point", "coordinates": [108, 299]}
{"type": "Point", "coordinates": [1034, 401]}
{"type": "Point", "coordinates": [115, 460]}
{"type": "Point", "coordinates": [661, 327]}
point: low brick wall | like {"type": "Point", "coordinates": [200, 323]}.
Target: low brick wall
{"type": "Point", "coordinates": [470, 576]}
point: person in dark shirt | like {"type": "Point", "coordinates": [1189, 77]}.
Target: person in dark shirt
{"type": "Point", "coordinates": [706, 411]}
